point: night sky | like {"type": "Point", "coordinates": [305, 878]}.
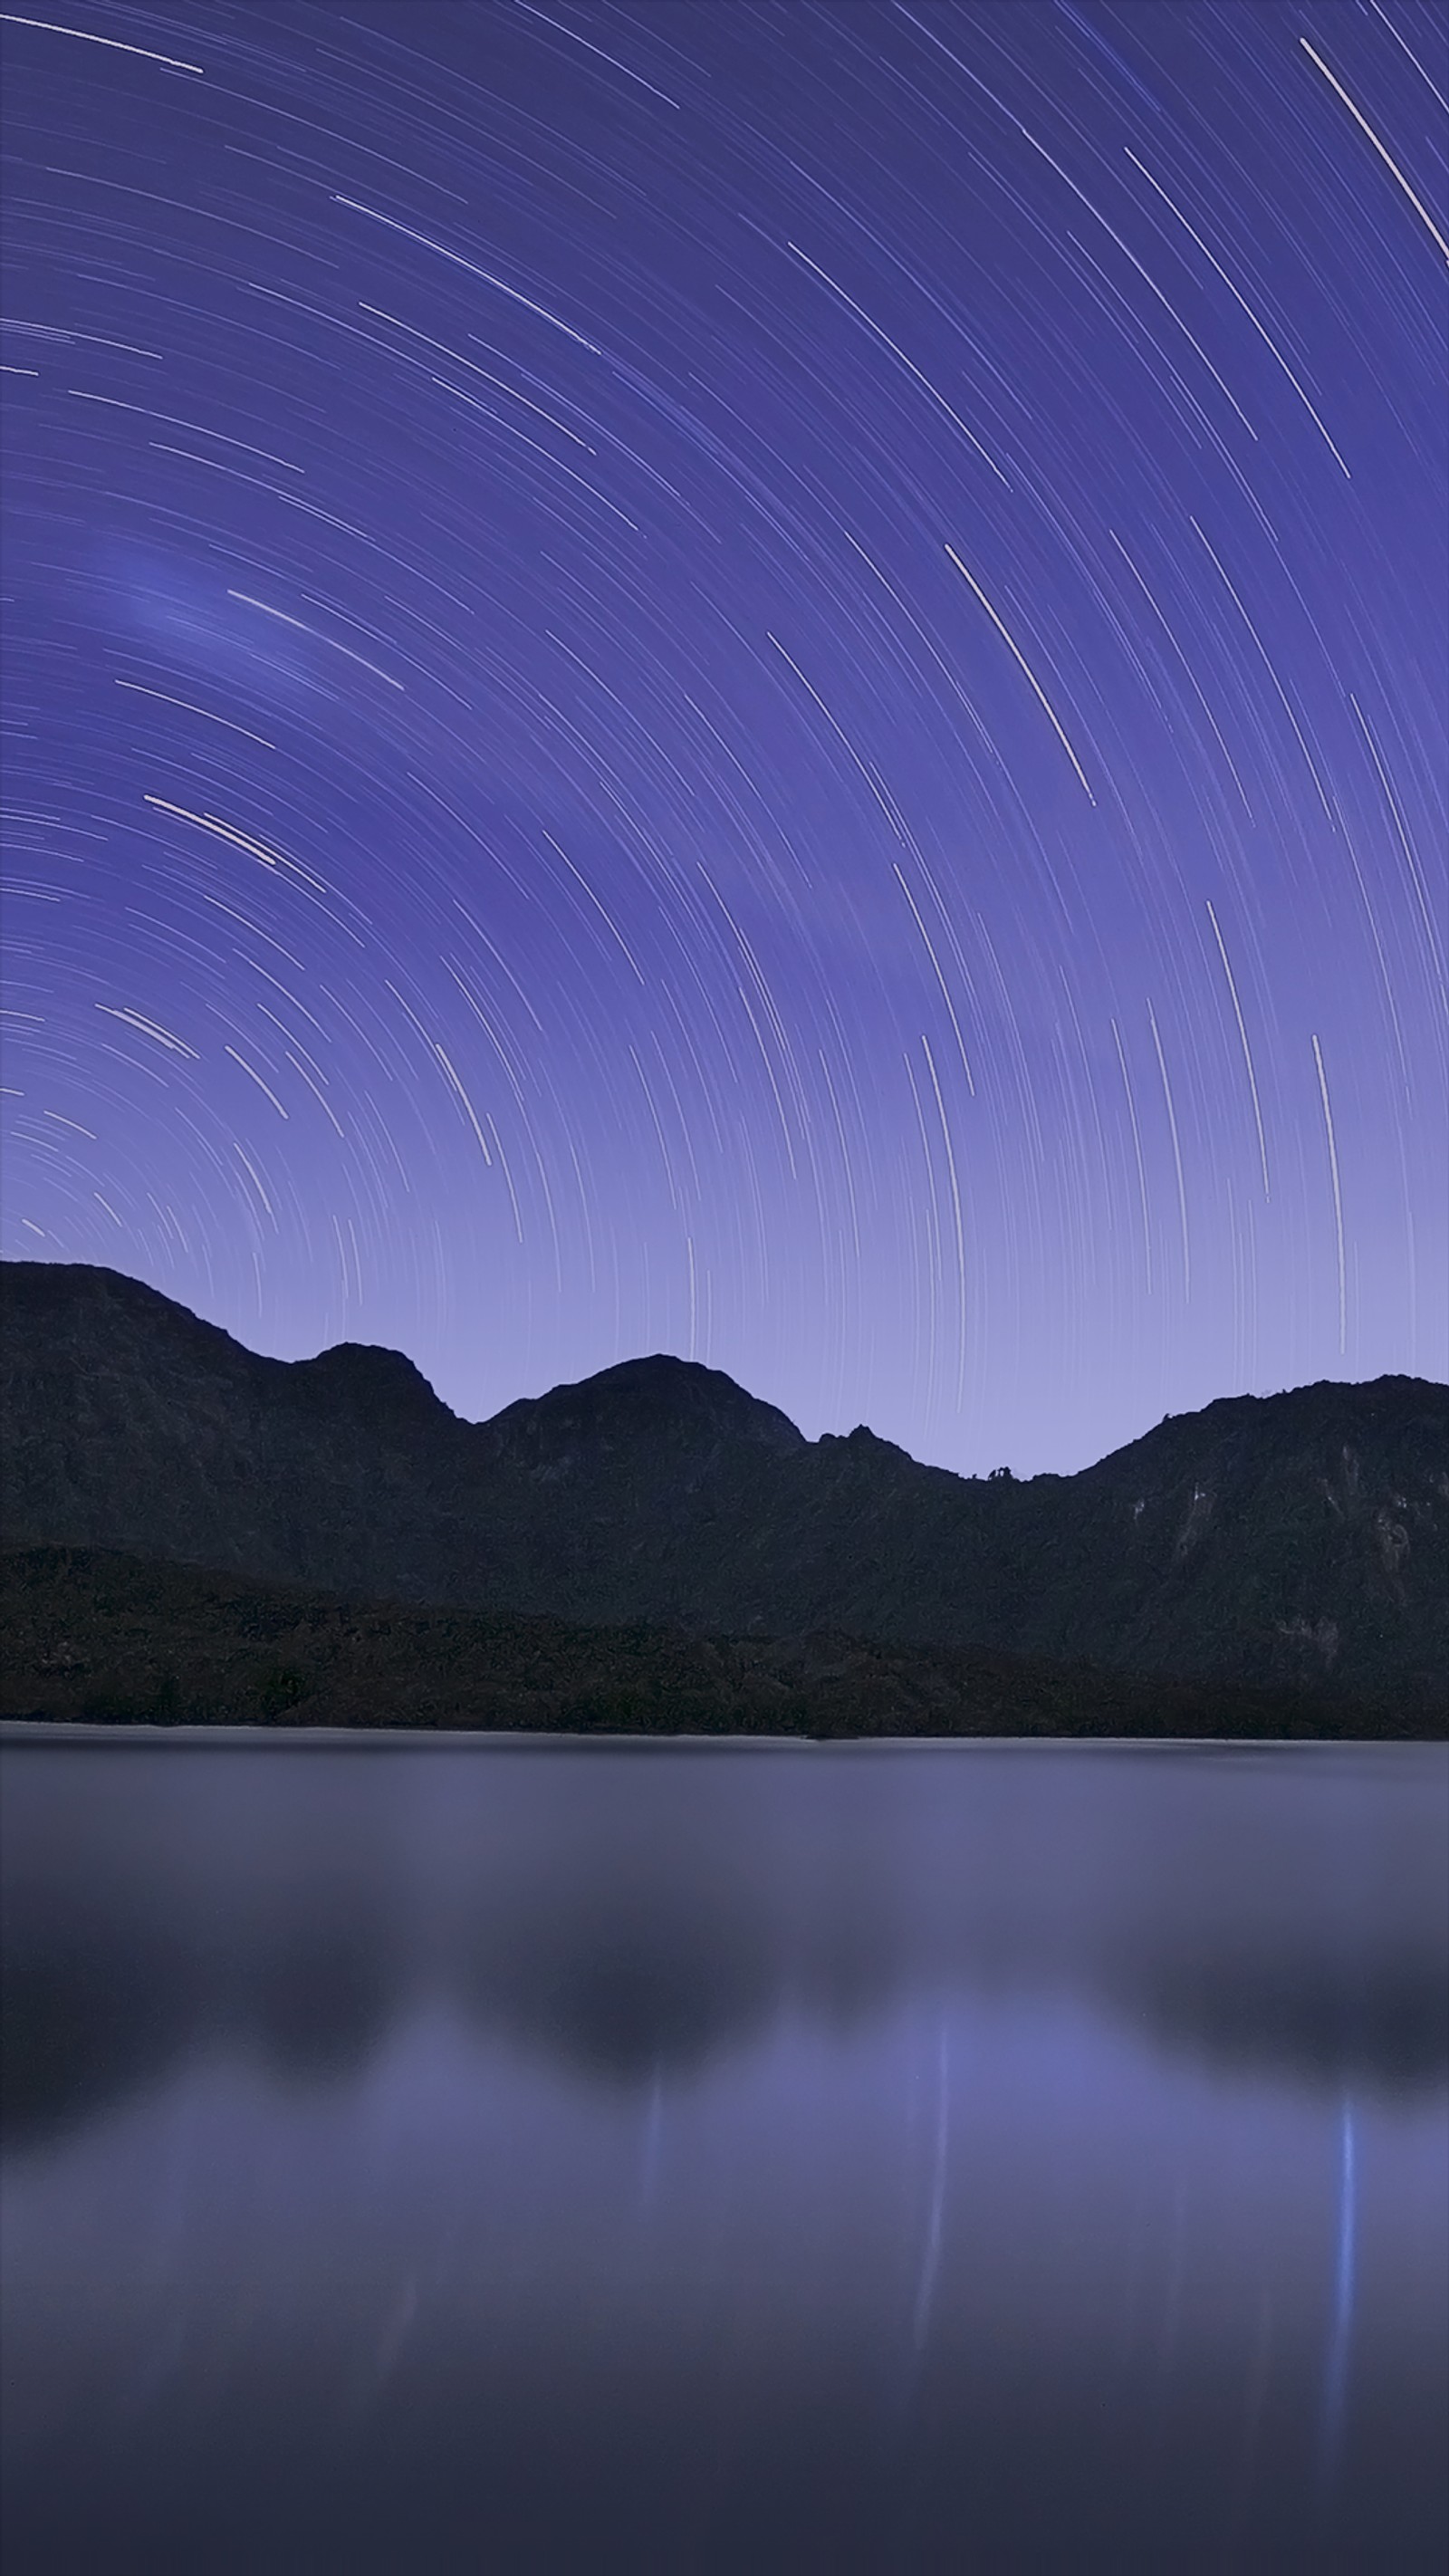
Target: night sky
{"type": "Point", "coordinates": [766, 681]}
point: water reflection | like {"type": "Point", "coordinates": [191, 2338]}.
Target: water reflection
{"type": "Point", "coordinates": [638, 1914]}
{"type": "Point", "coordinates": [619, 2158]}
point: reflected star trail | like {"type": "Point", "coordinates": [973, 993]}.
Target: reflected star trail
{"type": "Point", "coordinates": [766, 681]}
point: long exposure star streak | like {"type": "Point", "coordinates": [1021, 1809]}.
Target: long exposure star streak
{"type": "Point", "coordinates": [762, 680]}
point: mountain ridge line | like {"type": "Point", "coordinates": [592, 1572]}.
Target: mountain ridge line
{"type": "Point", "coordinates": [1297, 1538]}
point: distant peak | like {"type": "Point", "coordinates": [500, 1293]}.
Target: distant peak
{"type": "Point", "coordinates": [68, 1283]}
{"type": "Point", "coordinates": [664, 1373]}
{"type": "Point", "coordinates": [370, 1372]}
{"type": "Point", "coordinates": [656, 1395]}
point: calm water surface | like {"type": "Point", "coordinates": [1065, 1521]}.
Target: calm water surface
{"type": "Point", "coordinates": [493, 2158]}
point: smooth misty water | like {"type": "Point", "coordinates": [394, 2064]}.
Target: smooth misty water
{"type": "Point", "coordinates": [724, 2162]}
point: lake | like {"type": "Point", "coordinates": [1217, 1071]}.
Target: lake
{"type": "Point", "coordinates": [493, 2156]}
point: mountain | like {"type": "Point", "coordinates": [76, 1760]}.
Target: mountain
{"type": "Point", "coordinates": [1289, 1538]}
{"type": "Point", "coordinates": [91, 1634]}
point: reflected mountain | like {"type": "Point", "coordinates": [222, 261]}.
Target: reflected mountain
{"type": "Point", "coordinates": [627, 1991]}
{"type": "Point", "coordinates": [88, 2016]}
{"type": "Point", "coordinates": [636, 1917]}
{"type": "Point", "coordinates": [1379, 2023]}
{"type": "Point", "coordinates": [99, 2011]}
{"type": "Point", "coordinates": [318, 2003]}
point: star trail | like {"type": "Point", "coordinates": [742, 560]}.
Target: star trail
{"type": "Point", "coordinates": [760, 680]}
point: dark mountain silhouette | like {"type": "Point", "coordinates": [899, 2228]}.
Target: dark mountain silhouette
{"type": "Point", "coordinates": [1266, 1540]}
{"type": "Point", "coordinates": [91, 1634]}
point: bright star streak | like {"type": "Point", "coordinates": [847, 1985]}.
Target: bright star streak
{"type": "Point", "coordinates": [1420, 209]}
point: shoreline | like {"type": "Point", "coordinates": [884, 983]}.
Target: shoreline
{"type": "Point", "coordinates": [39, 1730]}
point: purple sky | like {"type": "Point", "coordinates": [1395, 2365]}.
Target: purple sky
{"type": "Point", "coordinates": [762, 680]}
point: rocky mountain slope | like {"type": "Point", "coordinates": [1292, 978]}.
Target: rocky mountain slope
{"type": "Point", "coordinates": [1290, 1538]}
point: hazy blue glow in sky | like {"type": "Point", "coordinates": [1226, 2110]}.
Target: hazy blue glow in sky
{"type": "Point", "coordinates": [760, 680]}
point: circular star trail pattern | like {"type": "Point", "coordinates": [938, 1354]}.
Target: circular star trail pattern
{"type": "Point", "coordinates": [766, 681]}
